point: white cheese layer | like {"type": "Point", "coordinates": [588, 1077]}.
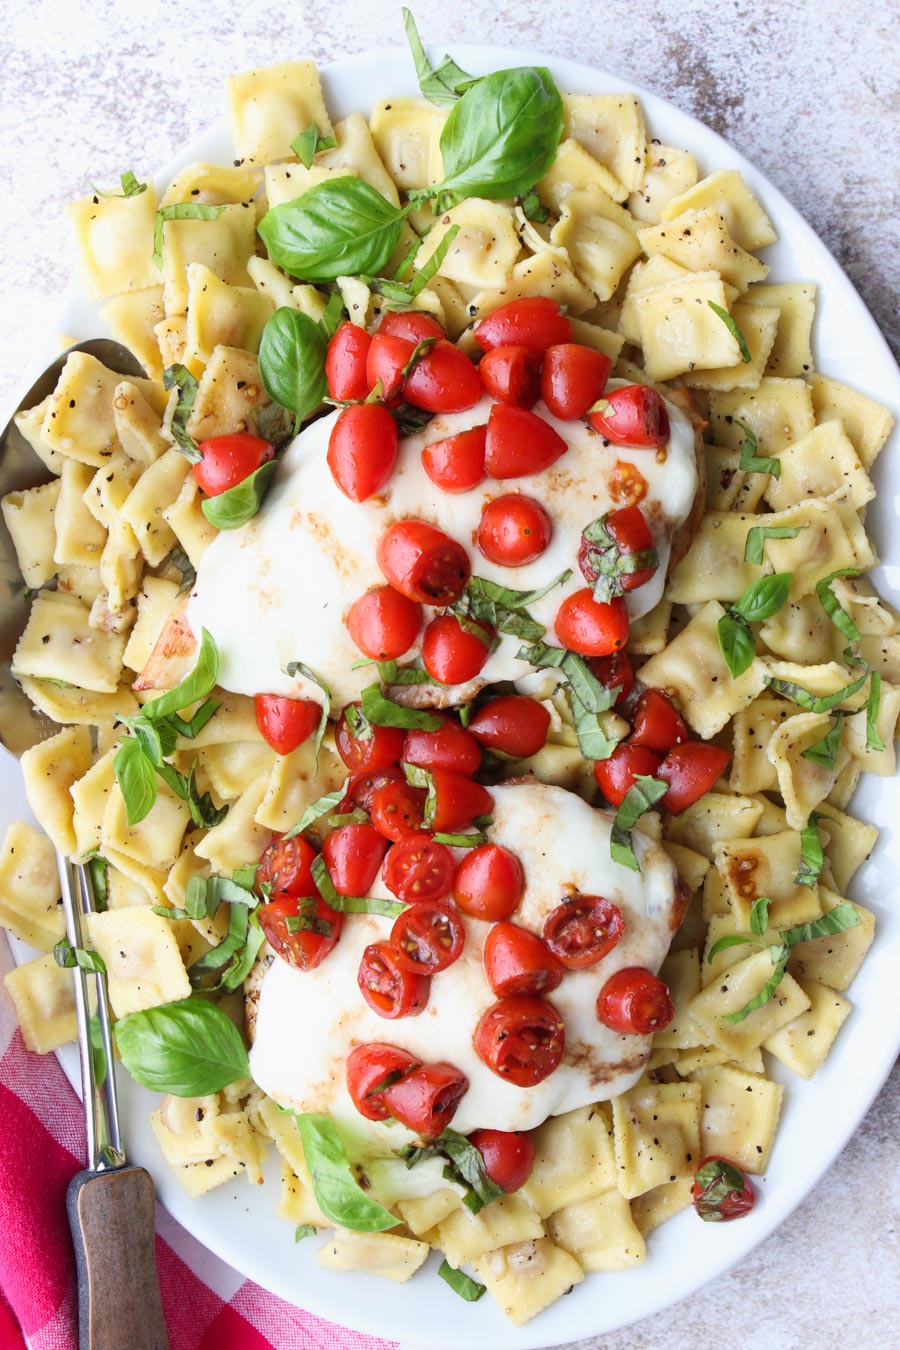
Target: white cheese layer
{"type": "Point", "coordinates": [278, 589]}
{"type": "Point", "coordinates": [307, 1022]}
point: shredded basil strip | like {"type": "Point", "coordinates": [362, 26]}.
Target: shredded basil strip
{"type": "Point", "coordinates": [231, 509]}
{"type": "Point", "coordinates": [292, 362]}
{"type": "Point", "coordinates": [304, 1230]}
{"type": "Point", "coordinates": [718, 1180]}
{"type": "Point", "coordinates": [315, 811]}
{"type": "Point", "coordinates": [837, 920]}
{"type": "Point", "coordinates": [588, 698]}
{"type": "Point", "coordinates": [130, 186]}
{"type": "Point", "coordinates": [751, 462]}
{"type": "Point", "coordinates": [825, 751]}
{"type": "Point", "coordinates": [441, 85]}
{"type": "Point", "coordinates": [812, 857]}
{"type": "Point", "coordinates": [504, 609]}
{"type": "Point", "coordinates": [817, 703]}
{"type": "Point", "coordinates": [98, 870]}
{"type": "Point", "coordinates": [461, 840]}
{"type": "Point", "coordinates": [644, 792]}
{"type": "Point", "coordinates": [610, 563]}
{"type": "Point", "coordinates": [461, 1283]}
{"type": "Point", "coordinates": [189, 1048]}
{"type": "Point", "coordinates": [758, 534]}
{"type": "Point", "coordinates": [418, 777]}
{"type": "Point", "coordinates": [833, 607]}
{"type": "Point", "coordinates": [308, 143]}
{"type": "Point", "coordinates": [179, 377]}
{"type": "Point", "coordinates": [179, 211]}
{"type": "Point", "coordinates": [294, 668]}
{"type": "Point", "coordinates": [67, 956]}
{"type": "Point", "coordinates": [779, 955]}
{"type": "Point", "coordinates": [466, 1166]}
{"type": "Point", "coordinates": [533, 208]}
{"type": "Point", "coordinates": [383, 712]}
{"type": "Point", "coordinates": [337, 1192]}
{"type": "Point", "coordinates": [733, 329]}
{"type": "Point", "coordinates": [873, 708]}
{"type": "Point", "coordinates": [351, 904]}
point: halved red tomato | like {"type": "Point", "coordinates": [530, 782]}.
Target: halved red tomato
{"type": "Point", "coordinates": [226, 461]}
{"type": "Point", "coordinates": [535, 322]}
{"type": "Point", "coordinates": [516, 961]}
{"type": "Point", "coordinates": [353, 855]}
{"type": "Point", "coordinates": [426, 1099]}
{"type": "Point", "coordinates": [389, 990]}
{"type": "Point", "coordinates": [301, 929]}
{"type": "Point", "coordinates": [583, 929]}
{"type": "Point", "coordinates": [428, 937]}
{"type": "Point", "coordinates": [521, 1040]}
{"type": "Point", "coordinates": [285, 723]}
{"type": "Point", "coordinates": [371, 1069]}
{"type": "Point", "coordinates": [418, 869]}
{"type": "Point", "coordinates": [634, 1001]}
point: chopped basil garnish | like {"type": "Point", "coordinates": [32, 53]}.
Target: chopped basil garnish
{"type": "Point", "coordinates": [812, 858]}
{"type": "Point", "coordinates": [461, 840]}
{"type": "Point", "coordinates": [817, 703]}
{"type": "Point", "coordinates": [466, 1166]}
{"type": "Point", "coordinates": [610, 564]}
{"type": "Point", "coordinates": [308, 144]}
{"type": "Point", "coordinates": [292, 362]}
{"type": "Point", "coordinates": [381, 710]}
{"type": "Point", "coordinates": [294, 668]}
{"type": "Point", "coordinates": [644, 792]}
{"type": "Point", "coordinates": [351, 904]}
{"type": "Point", "coordinates": [180, 560]}
{"type": "Point", "coordinates": [315, 811]}
{"type": "Point", "coordinates": [190, 1048]}
{"type": "Point", "coordinates": [418, 777]}
{"type": "Point", "coordinates": [180, 378]}
{"type": "Point", "coordinates": [837, 920]}
{"type": "Point", "coordinates": [832, 606]}
{"type": "Point", "coordinates": [391, 673]}
{"type": "Point", "coordinates": [504, 609]}
{"type": "Point", "coordinates": [733, 329]}
{"type": "Point", "coordinates": [235, 954]}
{"type": "Point", "coordinates": [304, 1230]}
{"type": "Point", "coordinates": [461, 1283]}
{"type": "Point", "coordinates": [67, 956]}
{"type": "Point", "coordinates": [873, 708]}
{"type": "Point", "coordinates": [337, 1193]}
{"type": "Point", "coordinates": [341, 227]}
{"type": "Point", "coordinates": [98, 870]}
{"type": "Point", "coordinates": [757, 536]}
{"type": "Point", "coordinates": [179, 211]}
{"type": "Point", "coordinates": [422, 348]}
{"type": "Point", "coordinates": [443, 84]}
{"type": "Point", "coordinates": [763, 598]}
{"type": "Point", "coordinates": [718, 1181]}
{"type": "Point", "coordinates": [231, 509]}
{"type": "Point", "coordinates": [825, 751]}
{"type": "Point", "coordinates": [400, 294]}
{"type": "Point", "coordinates": [750, 461]}
{"type": "Point", "coordinates": [130, 186]}
{"type": "Point", "coordinates": [533, 208]}
{"type": "Point", "coordinates": [588, 698]}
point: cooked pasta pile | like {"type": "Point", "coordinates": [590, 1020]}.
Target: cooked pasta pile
{"type": "Point", "coordinates": [647, 257]}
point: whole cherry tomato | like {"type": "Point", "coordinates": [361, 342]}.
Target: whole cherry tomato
{"type": "Point", "coordinates": [450, 747]}
{"type": "Point", "coordinates": [456, 463]}
{"type": "Point", "coordinates": [227, 460]}
{"type": "Point", "coordinates": [690, 771]}
{"type": "Point", "coordinates": [521, 1040]}
{"type": "Point", "coordinates": [617, 774]}
{"type": "Point", "coordinates": [372, 1068]}
{"type": "Point", "coordinates": [458, 801]}
{"type": "Point", "coordinates": [345, 362]}
{"type": "Point", "coordinates": [635, 414]}
{"type": "Point", "coordinates": [582, 930]}
{"type": "Point", "coordinates": [389, 990]}
{"type": "Point", "coordinates": [397, 810]}
{"type": "Point", "coordinates": [284, 722]}
{"type": "Point", "coordinates": [518, 962]}
{"type": "Point", "coordinates": [614, 671]}
{"type": "Point", "coordinates": [536, 322]}
{"type": "Point", "coordinates": [619, 543]}
{"type": "Point", "coordinates": [285, 867]}
{"type": "Point", "coordinates": [362, 787]}
{"type": "Point", "coordinates": [519, 443]}
{"type": "Point", "coordinates": [634, 1001]}
{"type": "Point", "coordinates": [383, 623]}
{"type": "Point", "coordinates": [353, 855]}
{"type": "Point", "coordinates": [385, 363]}
{"type": "Point", "coordinates": [301, 929]}
{"type": "Point", "coordinates": [508, 1156]}
{"type": "Point", "coordinates": [572, 379]}
{"type": "Point", "coordinates": [426, 1099]}
{"type": "Point", "coordinates": [367, 754]}
{"type": "Point", "coordinates": [656, 723]}
{"type": "Point", "coordinates": [412, 324]}
{"type": "Point", "coordinates": [428, 937]}
{"type": "Point", "coordinates": [513, 530]}
{"type": "Point", "coordinates": [721, 1191]}
{"type": "Point", "coordinates": [453, 654]}
{"type": "Point", "coordinates": [423, 563]}
{"type": "Point", "coordinates": [444, 380]}
{"type": "Point", "coordinates": [513, 724]}
{"type": "Point", "coordinates": [416, 870]}
{"type": "Point", "coordinates": [489, 883]}
{"type": "Point", "coordinates": [512, 375]}
{"type": "Point", "coordinates": [362, 450]}
{"type": "Point", "coordinates": [591, 627]}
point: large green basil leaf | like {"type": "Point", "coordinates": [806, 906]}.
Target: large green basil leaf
{"type": "Point", "coordinates": [189, 1049]}
{"type": "Point", "coordinates": [292, 361]}
{"type": "Point", "coordinates": [339, 1196]}
{"type": "Point", "coordinates": [234, 507]}
{"type": "Point", "coordinates": [338, 228]}
{"type": "Point", "coordinates": [193, 687]}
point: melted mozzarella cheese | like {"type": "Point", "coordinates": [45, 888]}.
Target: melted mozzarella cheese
{"type": "Point", "coordinates": [307, 1022]}
{"type": "Point", "coordinates": [278, 589]}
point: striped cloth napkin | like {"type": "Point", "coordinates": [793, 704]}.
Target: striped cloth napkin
{"type": "Point", "coordinates": [208, 1306]}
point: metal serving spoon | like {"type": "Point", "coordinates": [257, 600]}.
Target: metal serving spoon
{"type": "Point", "coordinates": [111, 1203]}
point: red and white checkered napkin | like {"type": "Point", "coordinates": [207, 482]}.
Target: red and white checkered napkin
{"type": "Point", "coordinates": [208, 1306]}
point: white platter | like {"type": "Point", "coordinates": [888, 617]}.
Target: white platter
{"type": "Point", "coordinates": [238, 1223]}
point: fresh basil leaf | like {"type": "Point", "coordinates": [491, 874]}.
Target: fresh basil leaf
{"type": "Point", "coordinates": [757, 536]}
{"type": "Point", "coordinates": [533, 208]}
{"type": "Point", "coordinates": [191, 729]}
{"type": "Point", "coordinates": [730, 940]}
{"type": "Point", "coordinates": [440, 85]}
{"type": "Point", "coordinates": [593, 740]}
{"type": "Point", "coordinates": [190, 1048]}
{"type": "Point", "coordinates": [418, 777]}
{"type": "Point", "coordinates": [461, 1283]}
{"type": "Point", "coordinates": [195, 686]}
{"type": "Point", "coordinates": [832, 606]}
{"type": "Point", "coordinates": [735, 642]}
{"type": "Point", "coordinates": [338, 228]}
{"type": "Point", "coordinates": [873, 708]}
{"type": "Point", "coordinates": [332, 315]}
{"type": "Point", "coordinates": [130, 186]}
{"type": "Point", "coordinates": [825, 751]}
{"type": "Point", "coordinates": [204, 812]}
{"type": "Point", "coordinates": [383, 712]}
{"type": "Point", "coordinates": [582, 682]}
{"type": "Point", "coordinates": [759, 916]}
{"type": "Point", "coordinates": [231, 509]}
{"type": "Point", "coordinates": [779, 965]}
{"type": "Point", "coordinates": [812, 857]}
{"type": "Point", "coordinates": [461, 840]}
{"type": "Point", "coordinates": [356, 817]}
{"type": "Point", "coordinates": [98, 870]}
{"type": "Point", "coordinates": [351, 904]}
{"type": "Point", "coordinates": [750, 461]}
{"type": "Point", "coordinates": [644, 792]}
{"type": "Point", "coordinates": [500, 138]}
{"type": "Point", "coordinates": [334, 1186]}
{"type": "Point", "coordinates": [837, 920]}
{"type": "Point", "coordinates": [180, 378]}
{"type": "Point", "coordinates": [136, 778]}
{"type": "Point", "coordinates": [226, 951]}
{"type": "Point", "coordinates": [315, 811]}
{"type": "Point", "coordinates": [733, 329]}
{"type": "Point", "coordinates": [179, 211]}
{"type": "Point", "coordinates": [182, 562]}
{"type": "Point", "coordinates": [67, 956]}
{"type": "Point", "coordinates": [510, 599]}
{"type": "Point", "coordinates": [308, 144]}
{"type": "Point", "coordinates": [410, 420]}
{"type": "Point", "coordinates": [294, 668]}
{"type": "Point", "coordinates": [304, 1230]}
{"type": "Point", "coordinates": [422, 348]}
{"type": "Point", "coordinates": [391, 673]}
{"type": "Point", "coordinates": [274, 423]}
{"type": "Point", "coordinates": [242, 964]}
{"type": "Point", "coordinates": [817, 703]}
{"type": "Point", "coordinates": [764, 597]}
{"type": "Point", "coordinates": [467, 1167]}
{"type": "Point", "coordinates": [503, 608]}
{"type": "Point", "coordinates": [292, 362]}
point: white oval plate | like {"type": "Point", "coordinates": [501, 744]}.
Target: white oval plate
{"type": "Point", "coordinates": [238, 1223]}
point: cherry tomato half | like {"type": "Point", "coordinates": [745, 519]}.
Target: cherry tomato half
{"type": "Point", "coordinates": [536, 322]}
{"type": "Point", "coordinates": [721, 1191]}
{"type": "Point", "coordinates": [353, 855]}
{"type": "Point", "coordinates": [519, 443]}
{"type": "Point", "coordinates": [284, 722]}
{"type": "Point", "coordinates": [383, 623]}
{"type": "Point", "coordinates": [227, 460]}
{"type": "Point", "coordinates": [591, 627]}
{"type": "Point", "coordinates": [371, 753]}
{"type": "Point", "coordinates": [572, 379]}
{"type": "Point", "coordinates": [635, 1001]}
{"type": "Point", "coordinates": [385, 362]}
{"type": "Point", "coordinates": [513, 724]}
{"type": "Point", "coordinates": [301, 929]}
{"type": "Point", "coordinates": [489, 882]}
{"type": "Point", "coordinates": [633, 415]}
{"type": "Point", "coordinates": [444, 380]}
{"type": "Point", "coordinates": [512, 375]}
{"type": "Point", "coordinates": [518, 962]}
{"type": "Point", "coordinates": [582, 930]}
{"type": "Point", "coordinates": [426, 1099]}
{"type": "Point", "coordinates": [616, 775]}
{"type": "Point", "coordinates": [456, 463]}
{"type": "Point", "coordinates": [423, 563]}
{"type": "Point", "coordinates": [513, 530]}
{"type": "Point", "coordinates": [453, 654]}
{"type": "Point", "coordinates": [657, 724]}
{"type": "Point", "coordinates": [345, 362]}
{"type": "Point", "coordinates": [412, 324]}
{"type": "Point", "coordinates": [450, 747]}
{"type": "Point", "coordinates": [458, 801]}
{"type": "Point", "coordinates": [397, 810]}
{"type": "Point", "coordinates": [284, 865]}
{"type": "Point", "coordinates": [508, 1156]}
{"type": "Point", "coordinates": [389, 990]}
{"type": "Point", "coordinates": [521, 1040]}
{"type": "Point", "coordinates": [372, 1068]}
{"type": "Point", "coordinates": [362, 787]}
{"type": "Point", "coordinates": [416, 870]}
{"type": "Point", "coordinates": [428, 937]}
{"type": "Point", "coordinates": [362, 450]}
{"type": "Point", "coordinates": [690, 771]}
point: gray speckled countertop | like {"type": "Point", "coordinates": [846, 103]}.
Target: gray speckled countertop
{"type": "Point", "coordinates": [807, 90]}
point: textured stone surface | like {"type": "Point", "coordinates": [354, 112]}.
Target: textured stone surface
{"type": "Point", "coordinates": [808, 91]}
